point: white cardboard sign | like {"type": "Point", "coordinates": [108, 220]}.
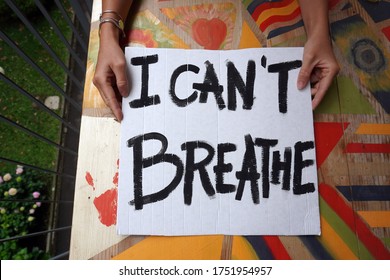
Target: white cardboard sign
{"type": "Point", "coordinates": [217, 142]}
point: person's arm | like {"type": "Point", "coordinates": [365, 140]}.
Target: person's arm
{"type": "Point", "coordinates": [110, 74]}
{"type": "Point", "coordinates": [319, 63]}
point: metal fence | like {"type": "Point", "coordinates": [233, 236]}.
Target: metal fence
{"type": "Point", "coordinates": [29, 70]}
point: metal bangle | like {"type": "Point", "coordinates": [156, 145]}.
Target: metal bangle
{"type": "Point", "coordinates": [118, 23]}
{"type": "Point", "coordinates": [111, 12]}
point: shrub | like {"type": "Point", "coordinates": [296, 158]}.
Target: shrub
{"type": "Point", "coordinates": [20, 212]}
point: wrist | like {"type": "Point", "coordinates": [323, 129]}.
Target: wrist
{"type": "Point", "coordinates": [109, 31]}
{"type": "Point", "coordinates": [321, 39]}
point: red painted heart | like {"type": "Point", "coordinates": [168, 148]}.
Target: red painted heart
{"type": "Point", "coordinates": [209, 33]}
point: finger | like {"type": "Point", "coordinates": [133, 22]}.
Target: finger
{"type": "Point", "coordinates": [304, 75]}
{"type": "Point", "coordinates": [108, 95]}
{"type": "Point", "coordinates": [314, 88]}
{"type": "Point", "coordinates": [121, 78]}
{"type": "Point", "coordinates": [320, 90]}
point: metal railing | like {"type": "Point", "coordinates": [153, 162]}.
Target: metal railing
{"type": "Point", "coordinates": [23, 66]}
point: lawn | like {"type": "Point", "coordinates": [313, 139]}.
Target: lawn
{"type": "Point", "coordinates": [16, 145]}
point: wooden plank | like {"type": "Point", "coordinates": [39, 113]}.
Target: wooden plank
{"type": "Point", "coordinates": [92, 230]}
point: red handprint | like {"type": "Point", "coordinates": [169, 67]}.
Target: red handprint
{"type": "Point", "coordinates": [106, 203]}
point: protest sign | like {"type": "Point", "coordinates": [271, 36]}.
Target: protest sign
{"type": "Point", "coordinates": [217, 142]}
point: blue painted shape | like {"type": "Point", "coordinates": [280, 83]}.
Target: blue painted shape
{"type": "Point", "coordinates": [315, 247]}
{"type": "Point", "coordinates": [378, 11]}
{"type": "Point", "coordinates": [284, 29]}
{"type": "Point", "coordinates": [253, 5]}
{"type": "Point", "coordinates": [383, 98]}
{"type": "Point", "coordinates": [260, 246]}
{"type": "Point", "coordinates": [365, 193]}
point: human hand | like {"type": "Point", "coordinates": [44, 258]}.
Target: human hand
{"type": "Point", "coordinates": [110, 74]}
{"type": "Point", "coordinates": [319, 67]}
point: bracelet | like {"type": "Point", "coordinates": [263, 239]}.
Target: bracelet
{"type": "Point", "coordinates": [117, 22]}
{"type": "Point", "coordinates": [111, 12]}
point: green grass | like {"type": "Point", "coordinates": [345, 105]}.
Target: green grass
{"type": "Point", "coordinates": [17, 145]}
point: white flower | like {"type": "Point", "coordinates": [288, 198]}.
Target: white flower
{"type": "Point", "coordinates": [7, 177]}
{"type": "Point", "coordinates": [12, 191]}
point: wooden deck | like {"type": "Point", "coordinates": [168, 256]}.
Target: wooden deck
{"type": "Point", "coordinates": [352, 129]}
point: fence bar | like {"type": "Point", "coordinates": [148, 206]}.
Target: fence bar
{"type": "Point", "coordinates": [35, 234]}
{"type": "Point", "coordinates": [60, 256]}
{"type": "Point", "coordinates": [36, 200]}
{"type": "Point", "coordinates": [60, 35]}
{"type": "Point", "coordinates": [36, 101]}
{"type": "Point", "coordinates": [37, 168]}
{"type": "Point", "coordinates": [89, 5]}
{"type": "Point", "coordinates": [43, 43]}
{"type": "Point", "coordinates": [75, 32]}
{"type": "Point", "coordinates": [81, 16]}
{"type": "Point", "coordinates": [36, 135]}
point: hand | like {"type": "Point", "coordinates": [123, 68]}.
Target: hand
{"type": "Point", "coordinates": [110, 74]}
{"type": "Point", "coordinates": [319, 67]}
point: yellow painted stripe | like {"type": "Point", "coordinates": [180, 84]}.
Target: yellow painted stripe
{"type": "Point", "coordinates": [376, 218]}
{"type": "Point", "coordinates": [334, 243]}
{"type": "Point", "coordinates": [282, 11]}
{"type": "Point", "coordinates": [175, 248]}
{"type": "Point", "coordinates": [371, 128]}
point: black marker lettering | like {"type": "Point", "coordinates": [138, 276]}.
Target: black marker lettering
{"type": "Point", "coordinates": [191, 167]}
{"type": "Point", "coordinates": [145, 99]}
{"type": "Point", "coordinates": [248, 172]}
{"type": "Point", "coordinates": [299, 164]}
{"type": "Point", "coordinates": [278, 165]}
{"type": "Point", "coordinates": [282, 69]}
{"type": "Point", "coordinates": [264, 61]}
{"type": "Point", "coordinates": [245, 89]}
{"type": "Point", "coordinates": [266, 144]}
{"type": "Point", "coordinates": [182, 102]}
{"type": "Point", "coordinates": [140, 163]}
{"type": "Point", "coordinates": [210, 84]}
{"type": "Point", "coordinates": [223, 167]}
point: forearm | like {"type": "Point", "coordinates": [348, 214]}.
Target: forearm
{"type": "Point", "coordinates": [315, 18]}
